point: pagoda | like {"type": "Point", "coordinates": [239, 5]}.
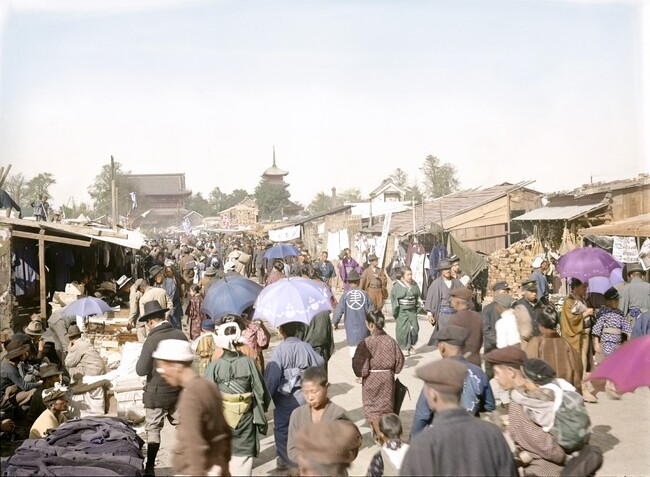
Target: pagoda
{"type": "Point", "coordinates": [275, 175]}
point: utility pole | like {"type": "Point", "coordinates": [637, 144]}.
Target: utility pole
{"type": "Point", "coordinates": [113, 195]}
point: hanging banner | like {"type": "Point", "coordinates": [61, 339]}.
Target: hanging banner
{"type": "Point", "coordinates": [625, 249]}
{"type": "Point", "coordinates": [380, 249]}
{"type": "Point", "coordinates": [285, 234]}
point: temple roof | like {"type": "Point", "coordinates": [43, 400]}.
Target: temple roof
{"type": "Point", "coordinates": [274, 170]}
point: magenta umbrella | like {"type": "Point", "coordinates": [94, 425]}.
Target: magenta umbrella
{"type": "Point", "coordinates": [585, 263]}
{"type": "Point", "coordinates": [629, 367]}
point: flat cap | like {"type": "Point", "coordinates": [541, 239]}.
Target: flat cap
{"type": "Point", "coordinates": [500, 286]}
{"type": "Point", "coordinates": [139, 282]}
{"type": "Point", "coordinates": [452, 334]}
{"type": "Point", "coordinates": [538, 370]}
{"type": "Point", "coordinates": [454, 259]}
{"type": "Point", "coordinates": [464, 293]}
{"type": "Point", "coordinates": [512, 356]}
{"type": "Point", "coordinates": [329, 442]}
{"type": "Point", "coordinates": [445, 375]}
{"type": "Point", "coordinates": [529, 285]}
{"type": "Point", "coordinates": [443, 264]}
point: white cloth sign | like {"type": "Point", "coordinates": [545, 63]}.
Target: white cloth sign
{"type": "Point", "coordinates": [337, 241]}
{"type": "Point", "coordinates": [625, 249]}
{"type": "Point", "coordinates": [285, 234]}
{"type": "Point", "coordinates": [380, 249]}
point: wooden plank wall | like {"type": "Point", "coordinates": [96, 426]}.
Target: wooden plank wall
{"type": "Point", "coordinates": [486, 239]}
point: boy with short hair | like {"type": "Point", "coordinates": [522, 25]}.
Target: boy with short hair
{"type": "Point", "coordinates": [318, 408]}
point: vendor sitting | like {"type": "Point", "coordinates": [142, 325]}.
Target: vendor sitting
{"type": "Point", "coordinates": [51, 375]}
{"type": "Point", "coordinates": [15, 392]}
{"type": "Point", "coordinates": [57, 404]}
{"type": "Point", "coordinates": [84, 360]}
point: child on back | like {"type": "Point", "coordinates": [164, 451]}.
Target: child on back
{"type": "Point", "coordinates": [318, 408]}
{"type": "Point", "coordinates": [204, 345]}
{"type": "Point", "coordinates": [388, 461]}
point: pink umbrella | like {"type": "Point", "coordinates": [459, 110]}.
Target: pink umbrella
{"type": "Point", "coordinates": [629, 367]}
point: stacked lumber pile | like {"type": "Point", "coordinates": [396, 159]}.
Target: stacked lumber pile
{"type": "Point", "coordinates": [513, 264]}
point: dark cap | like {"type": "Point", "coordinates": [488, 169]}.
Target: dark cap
{"type": "Point", "coordinates": [445, 375]}
{"type": "Point", "coordinates": [353, 276]}
{"type": "Point", "coordinates": [464, 293]}
{"type": "Point", "coordinates": [452, 334]}
{"type": "Point", "coordinates": [538, 370]}
{"type": "Point", "coordinates": [512, 356]}
{"type": "Point", "coordinates": [444, 264]}
{"type": "Point", "coordinates": [500, 286]}
{"type": "Point", "coordinates": [454, 259]}
{"type": "Point", "coordinates": [52, 394]}
{"type": "Point", "coordinates": [529, 285]}
{"type": "Point", "coordinates": [611, 294]}
{"type": "Point", "coordinates": [152, 309]}
{"type": "Point", "coordinates": [372, 257]}
{"type": "Point", "coordinates": [329, 442]}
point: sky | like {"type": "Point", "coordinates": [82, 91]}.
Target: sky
{"type": "Point", "coordinates": [345, 90]}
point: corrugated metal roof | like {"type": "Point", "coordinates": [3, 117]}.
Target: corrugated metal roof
{"type": "Point", "coordinates": [567, 212]}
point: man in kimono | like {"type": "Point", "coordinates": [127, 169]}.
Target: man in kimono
{"type": "Point", "coordinates": [438, 302]}
{"type": "Point", "coordinates": [635, 297]}
{"type": "Point", "coordinates": [442, 449]}
{"type": "Point", "coordinates": [283, 377]}
{"type": "Point", "coordinates": [354, 304]}
{"type": "Point", "coordinates": [526, 307]}
{"type": "Point", "coordinates": [540, 266]}
{"type": "Point", "coordinates": [490, 316]}
{"type": "Point", "coordinates": [374, 282]}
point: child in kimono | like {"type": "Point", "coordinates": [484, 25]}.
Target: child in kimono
{"type": "Point", "coordinates": [388, 461]}
{"type": "Point", "coordinates": [194, 314]}
{"type": "Point", "coordinates": [204, 346]}
{"type": "Point", "coordinates": [318, 408]}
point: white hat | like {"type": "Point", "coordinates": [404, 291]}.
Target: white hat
{"type": "Point", "coordinates": [538, 261]}
{"type": "Point", "coordinates": [123, 280]}
{"type": "Point", "coordinates": [174, 350]}
{"type": "Point", "coordinates": [228, 341]}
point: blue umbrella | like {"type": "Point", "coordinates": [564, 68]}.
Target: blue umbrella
{"type": "Point", "coordinates": [292, 299]}
{"type": "Point", "coordinates": [87, 306]}
{"type": "Point", "coordinates": [230, 295]}
{"type": "Point", "coordinates": [281, 250]}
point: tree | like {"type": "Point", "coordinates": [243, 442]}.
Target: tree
{"type": "Point", "coordinates": [271, 199]}
{"type": "Point", "coordinates": [400, 178]}
{"type": "Point", "coordinates": [234, 198]}
{"type": "Point", "coordinates": [40, 185]}
{"type": "Point", "coordinates": [413, 192]}
{"type": "Point", "coordinates": [101, 193]}
{"type": "Point", "coordinates": [17, 188]}
{"type": "Point", "coordinates": [200, 204]}
{"type": "Point", "coordinates": [439, 179]}
{"type": "Point", "coordinates": [216, 199]}
{"type": "Point", "coordinates": [320, 203]}
{"type": "Point", "coordinates": [347, 196]}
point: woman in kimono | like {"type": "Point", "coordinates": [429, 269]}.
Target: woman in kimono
{"type": "Point", "coordinates": [245, 397]}
{"type": "Point", "coordinates": [377, 360]}
{"type": "Point", "coordinates": [346, 265]}
{"type": "Point", "coordinates": [405, 301]}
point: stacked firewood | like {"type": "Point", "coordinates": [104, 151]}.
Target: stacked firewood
{"type": "Point", "coordinates": [512, 264]}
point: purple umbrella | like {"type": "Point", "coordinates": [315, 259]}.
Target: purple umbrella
{"type": "Point", "coordinates": [292, 299]}
{"type": "Point", "coordinates": [87, 306]}
{"type": "Point", "coordinates": [586, 263]}
{"type": "Point", "coordinates": [281, 251]}
{"type": "Point", "coordinates": [602, 284]}
{"type": "Point", "coordinates": [629, 367]}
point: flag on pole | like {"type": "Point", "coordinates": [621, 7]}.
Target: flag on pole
{"type": "Point", "coordinates": [187, 226]}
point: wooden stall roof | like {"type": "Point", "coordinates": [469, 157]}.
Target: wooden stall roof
{"type": "Point", "coordinates": [72, 234]}
{"type": "Point", "coordinates": [638, 226]}
{"type": "Point", "coordinates": [438, 210]}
